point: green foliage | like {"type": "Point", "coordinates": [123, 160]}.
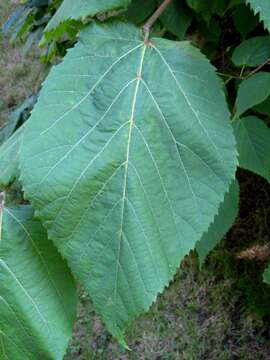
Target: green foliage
{"type": "Point", "coordinates": [253, 91]}
{"type": "Point", "coordinates": [253, 144]}
{"type": "Point", "coordinates": [252, 52]}
{"type": "Point", "coordinates": [80, 9]}
{"type": "Point", "coordinates": [262, 7]}
{"type": "Point", "coordinates": [108, 208]}
{"type": "Point", "coordinates": [129, 157]}
{"type": "Point", "coordinates": [37, 294]}
{"type": "Point", "coordinates": [222, 223]}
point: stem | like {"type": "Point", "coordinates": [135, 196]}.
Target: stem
{"type": "Point", "coordinates": [150, 22]}
{"type": "Point", "coordinates": [258, 68]}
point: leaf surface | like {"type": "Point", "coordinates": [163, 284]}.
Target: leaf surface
{"type": "Point", "coordinates": [222, 223]}
{"type": "Point", "coordinates": [126, 158]}
{"type": "Point", "coordinates": [76, 10]}
{"type": "Point", "coordinates": [253, 91]}
{"type": "Point", "coordinates": [252, 52]}
{"type": "Point", "coordinates": [253, 143]}
{"type": "Point", "coordinates": [9, 158]}
{"type": "Point", "coordinates": [266, 275]}
{"type": "Point", "coordinates": [37, 293]}
{"type": "Point", "coordinates": [261, 7]}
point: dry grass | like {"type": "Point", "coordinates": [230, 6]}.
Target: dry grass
{"type": "Point", "coordinates": [18, 73]}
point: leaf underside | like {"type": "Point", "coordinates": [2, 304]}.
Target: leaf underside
{"type": "Point", "coordinates": [126, 159]}
{"type": "Point", "coordinates": [37, 293]}
{"type": "Point", "coordinates": [222, 223]}
{"type": "Point", "coordinates": [76, 10]}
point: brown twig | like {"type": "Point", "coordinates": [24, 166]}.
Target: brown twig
{"type": "Point", "coordinates": [258, 68]}
{"type": "Point", "coordinates": [150, 22]}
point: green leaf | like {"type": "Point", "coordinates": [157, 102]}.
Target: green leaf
{"type": "Point", "coordinates": [244, 20]}
{"type": "Point", "coordinates": [209, 7]}
{"type": "Point", "coordinates": [261, 7]}
{"type": "Point", "coordinates": [9, 158]}
{"type": "Point", "coordinates": [139, 10]}
{"type": "Point", "coordinates": [266, 275]}
{"type": "Point", "coordinates": [252, 52]}
{"type": "Point", "coordinates": [79, 9]}
{"type": "Point", "coordinates": [253, 91]}
{"type": "Point", "coordinates": [176, 18]}
{"type": "Point", "coordinates": [222, 223]}
{"type": "Point", "coordinates": [37, 293]}
{"type": "Point", "coordinates": [263, 108]}
{"type": "Point", "coordinates": [126, 158]}
{"type": "Point", "coordinates": [253, 143]}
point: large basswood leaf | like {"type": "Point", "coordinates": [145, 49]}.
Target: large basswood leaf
{"type": "Point", "coordinates": [263, 8]}
{"type": "Point", "coordinates": [224, 220]}
{"type": "Point", "coordinates": [126, 158]}
{"type": "Point", "coordinates": [37, 293]}
{"type": "Point", "coordinates": [79, 9]}
{"type": "Point", "coordinates": [253, 143]}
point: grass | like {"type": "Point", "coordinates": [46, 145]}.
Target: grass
{"type": "Point", "coordinates": [219, 313]}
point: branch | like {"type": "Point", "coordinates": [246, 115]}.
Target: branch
{"type": "Point", "coordinates": [150, 22]}
{"type": "Point", "coordinates": [258, 68]}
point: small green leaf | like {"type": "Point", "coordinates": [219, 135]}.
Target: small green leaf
{"type": "Point", "coordinates": [253, 91]}
{"type": "Point", "coordinates": [264, 107]}
{"type": "Point", "coordinates": [266, 275]}
{"type": "Point", "coordinates": [9, 158]}
{"type": "Point", "coordinates": [126, 158]}
{"type": "Point", "coordinates": [139, 10]}
{"type": "Point", "coordinates": [252, 52]}
{"type": "Point", "coordinates": [261, 7]}
{"type": "Point", "coordinates": [37, 293]}
{"type": "Point", "coordinates": [176, 18]}
{"type": "Point", "coordinates": [244, 20]}
{"type": "Point", "coordinates": [79, 9]}
{"type": "Point", "coordinates": [253, 143]}
{"type": "Point", "coordinates": [222, 223]}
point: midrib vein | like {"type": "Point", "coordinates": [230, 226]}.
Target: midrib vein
{"type": "Point", "coordinates": [132, 122]}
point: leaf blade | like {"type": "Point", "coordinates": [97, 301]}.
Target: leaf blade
{"type": "Point", "coordinates": [121, 140]}
{"type": "Point", "coordinates": [37, 294]}
{"type": "Point", "coordinates": [253, 143]}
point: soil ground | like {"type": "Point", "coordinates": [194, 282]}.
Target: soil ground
{"type": "Point", "coordinates": [221, 312]}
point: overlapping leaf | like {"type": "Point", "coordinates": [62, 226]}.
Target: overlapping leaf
{"type": "Point", "coordinates": [253, 91]}
{"type": "Point", "coordinates": [253, 143]}
{"type": "Point", "coordinates": [37, 293]}
{"type": "Point", "coordinates": [126, 159]}
{"type": "Point", "coordinates": [76, 10]}
{"type": "Point", "coordinates": [223, 222]}
{"type": "Point", "coordinates": [263, 8]}
{"type": "Point", "coordinates": [252, 52]}
{"type": "Point", "coordinates": [9, 158]}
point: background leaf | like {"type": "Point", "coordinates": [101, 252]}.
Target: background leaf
{"type": "Point", "coordinates": [131, 161]}
{"type": "Point", "coordinates": [79, 9]}
{"type": "Point", "coordinates": [253, 91]}
{"type": "Point", "coordinates": [177, 18]}
{"type": "Point", "coordinates": [37, 293]}
{"type": "Point", "coordinates": [253, 143]}
{"type": "Point", "coordinates": [139, 10]}
{"type": "Point", "coordinates": [223, 221]}
{"type": "Point", "coordinates": [252, 52]}
{"type": "Point", "coordinates": [9, 158]}
{"type": "Point", "coordinates": [262, 7]}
